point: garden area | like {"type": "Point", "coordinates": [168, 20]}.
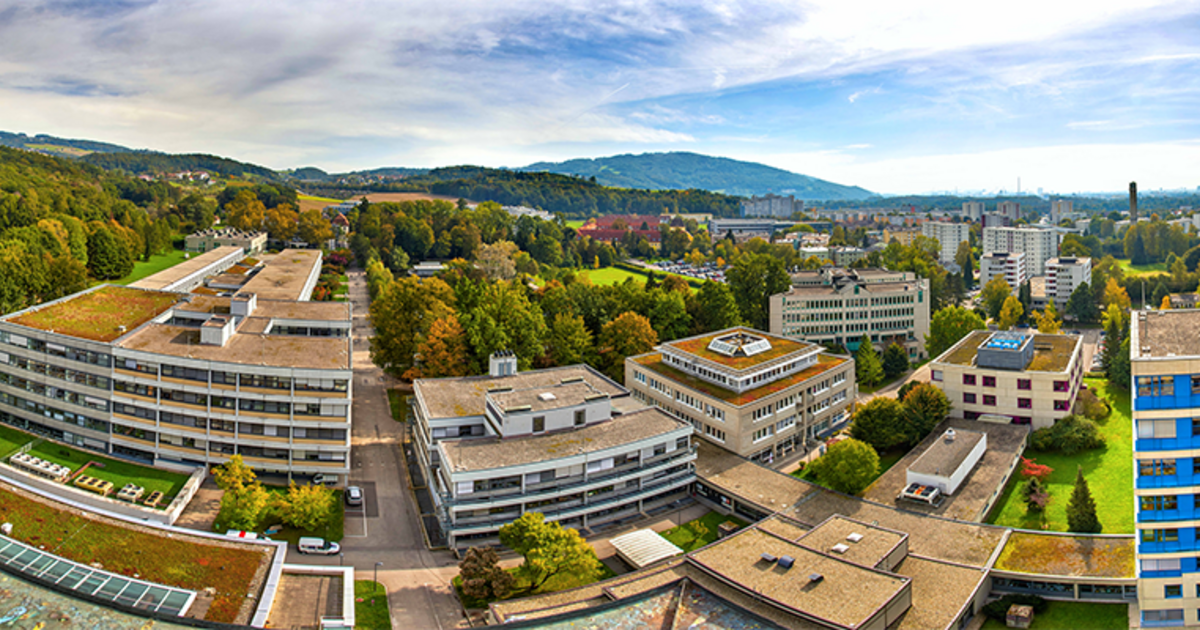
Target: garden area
{"type": "Point", "coordinates": [693, 535]}
{"type": "Point", "coordinates": [279, 513]}
{"type": "Point", "coordinates": [174, 561]}
{"type": "Point", "coordinates": [333, 284]}
{"type": "Point", "coordinates": [1106, 468]}
{"type": "Point", "coordinates": [371, 606]}
{"type": "Point", "coordinates": [1074, 616]}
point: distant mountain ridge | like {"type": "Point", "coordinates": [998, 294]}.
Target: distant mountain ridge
{"type": "Point", "coordinates": [683, 170]}
{"type": "Point", "coordinates": [55, 145]}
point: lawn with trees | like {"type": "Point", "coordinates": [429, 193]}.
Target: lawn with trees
{"type": "Point", "coordinates": [697, 533]}
{"type": "Point", "coordinates": [248, 505]}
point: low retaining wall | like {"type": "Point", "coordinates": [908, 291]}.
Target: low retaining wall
{"type": "Point", "coordinates": [128, 510]}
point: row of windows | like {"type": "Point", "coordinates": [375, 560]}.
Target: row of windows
{"type": "Point", "coordinates": [56, 350]}
{"type": "Point", "coordinates": [56, 393]}
{"type": "Point", "coordinates": [58, 372]}
{"type": "Point", "coordinates": [1160, 385]}
{"type": "Point", "coordinates": [54, 413]}
{"type": "Point", "coordinates": [226, 402]}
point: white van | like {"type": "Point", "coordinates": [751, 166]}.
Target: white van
{"type": "Point", "coordinates": [318, 546]}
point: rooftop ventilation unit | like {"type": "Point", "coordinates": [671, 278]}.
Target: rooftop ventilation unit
{"type": "Point", "coordinates": [572, 379]}
{"type": "Point", "coordinates": [786, 562]}
{"type": "Point", "coordinates": [546, 397]}
{"type": "Point", "coordinates": [815, 577]}
{"type": "Point", "coordinates": [769, 558]}
{"type": "Point", "coordinates": [840, 548]}
{"type": "Point", "coordinates": [854, 537]}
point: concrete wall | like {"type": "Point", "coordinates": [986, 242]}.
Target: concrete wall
{"type": "Point", "coordinates": [347, 573]}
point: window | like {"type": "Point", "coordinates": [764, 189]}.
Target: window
{"type": "Point", "coordinates": [1165, 564]}
{"type": "Point", "coordinates": [1024, 383]}
{"type": "Point", "coordinates": [935, 375]}
{"type": "Point", "coordinates": [989, 400]}
{"type": "Point", "coordinates": [1062, 405]}
{"type": "Point", "coordinates": [660, 449]}
{"type": "Point", "coordinates": [1156, 467]}
{"type": "Point", "coordinates": [968, 379]}
{"type": "Point", "coordinates": [1154, 504]}
{"type": "Point", "coordinates": [1156, 428]}
{"type": "Point", "coordinates": [1156, 385]}
{"type": "Point", "coordinates": [1195, 427]}
{"type": "Point", "coordinates": [1025, 403]}
{"type": "Point", "coordinates": [580, 417]}
{"type": "Point", "coordinates": [539, 424]}
{"type": "Point", "coordinates": [1162, 615]}
{"type": "Point", "coordinates": [1061, 386]}
{"type": "Point", "coordinates": [1160, 535]}
{"type": "Point", "coordinates": [640, 377]}
{"type": "Point", "coordinates": [1171, 591]}
{"type": "Point", "coordinates": [968, 398]}
{"type": "Point", "coordinates": [989, 381]}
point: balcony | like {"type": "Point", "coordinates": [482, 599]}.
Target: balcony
{"type": "Point", "coordinates": [146, 422]}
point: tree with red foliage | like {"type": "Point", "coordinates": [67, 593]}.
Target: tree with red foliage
{"type": "Point", "coordinates": [1030, 468]}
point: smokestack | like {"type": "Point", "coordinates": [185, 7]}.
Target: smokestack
{"type": "Point", "coordinates": [1133, 202]}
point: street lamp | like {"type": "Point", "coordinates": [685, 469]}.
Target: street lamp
{"type": "Point", "coordinates": [377, 565]}
{"type": "Point", "coordinates": [342, 559]}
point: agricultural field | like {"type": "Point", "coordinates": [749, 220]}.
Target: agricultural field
{"type": "Point", "coordinates": [310, 202]}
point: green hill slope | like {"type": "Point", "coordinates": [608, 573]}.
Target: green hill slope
{"type": "Point", "coordinates": [681, 171]}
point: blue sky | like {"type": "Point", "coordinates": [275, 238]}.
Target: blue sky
{"type": "Point", "coordinates": [897, 97]}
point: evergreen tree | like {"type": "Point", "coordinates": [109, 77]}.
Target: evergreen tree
{"type": "Point", "coordinates": [1138, 256]}
{"type": "Point", "coordinates": [1160, 292]}
{"type": "Point", "coordinates": [868, 368]}
{"type": "Point", "coordinates": [895, 360]}
{"type": "Point", "coordinates": [1081, 511]}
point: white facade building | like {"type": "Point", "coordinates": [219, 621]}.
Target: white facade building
{"type": "Point", "coordinates": [1037, 245]}
{"type": "Point", "coordinates": [1010, 209]}
{"type": "Point", "coordinates": [1064, 275]}
{"type": "Point", "coordinates": [1011, 267]}
{"type": "Point", "coordinates": [1059, 209]}
{"type": "Point", "coordinates": [973, 210]}
{"type": "Point", "coordinates": [948, 236]}
{"type": "Point", "coordinates": [772, 206]}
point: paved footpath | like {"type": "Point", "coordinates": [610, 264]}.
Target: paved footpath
{"type": "Point", "coordinates": [417, 580]}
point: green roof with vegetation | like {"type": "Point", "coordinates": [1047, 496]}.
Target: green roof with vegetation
{"type": "Point", "coordinates": [1079, 555]}
{"type": "Point", "coordinates": [780, 347]}
{"type": "Point", "coordinates": [100, 315]}
{"type": "Point", "coordinates": [1051, 353]}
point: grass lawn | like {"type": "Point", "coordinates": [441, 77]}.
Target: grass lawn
{"type": "Point", "coordinates": [560, 582]}
{"type": "Point", "coordinates": [1108, 472]}
{"type": "Point", "coordinates": [575, 223]}
{"type": "Point", "coordinates": [612, 275]}
{"type": "Point", "coordinates": [695, 534]}
{"type": "Point", "coordinates": [119, 472]}
{"type": "Point", "coordinates": [157, 263]}
{"type": "Point", "coordinates": [864, 389]}
{"type": "Point", "coordinates": [334, 531]}
{"type": "Point", "coordinates": [11, 439]}
{"type": "Point", "coordinates": [1141, 270]}
{"type": "Point", "coordinates": [1075, 616]}
{"type": "Point", "coordinates": [370, 606]}
{"type": "Point", "coordinates": [173, 560]}
{"type": "Point", "coordinates": [399, 404]}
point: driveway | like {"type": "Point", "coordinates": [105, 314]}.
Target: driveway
{"type": "Point", "coordinates": [417, 580]}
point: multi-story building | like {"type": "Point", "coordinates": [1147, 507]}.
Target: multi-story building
{"type": "Point", "coordinates": [973, 210]}
{"type": "Point", "coordinates": [846, 256]}
{"type": "Point", "coordinates": [1037, 245]}
{"type": "Point", "coordinates": [756, 394]}
{"type": "Point", "coordinates": [836, 306]}
{"type": "Point", "coordinates": [904, 236]}
{"type": "Point", "coordinates": [1019, 377]}
{"type": "Point", "coordinates": [158, 376]}
{"type": "Point", "coordinates": [1009, 209]}
{"type": "Point", "coordinates": [1011, 267]}
{"type": "Point", "coordinates": [1064, 275]}
{"type": "Point", "coordinates": [566, 442]}
{"type": "Point", "coordinates": [1165, 364]}
{"type": "Point", "coordinates": [772, 206]}
{"type": "Point", "coordinates": [1059, 209]}
{"type": "Point", "coordinates": [253, 243]}
{"type": "Point", "coordinates": [744, 229]}
{"type": "Point", "coordinates": [948, 236]}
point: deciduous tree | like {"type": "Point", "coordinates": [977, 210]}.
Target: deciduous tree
{"type": "Point", "coordinates": [570, 341]}
{"type": "Point", "coordinates": [1082, 304]}
{"type": "Point", "coordinates": [444, 350]}
{"type": "Point", "coordinates": [308, 507]}
{"type": "Point", "coordinates": [993, 296]}
{"type": "Point", "coordinates": [628, 335]}
{"type": "Point", "coordinates": [713, 307]}
{"type": "Point", "coordinates": [401, 314]}
{"type": "Point", "coordinates": [1114, 293]}
{"type": "Point", "coordinates": [482, 577]}
{"type": "Point", "coordinates": [753, 279]}
{"type": "Point", "coordinates": [245, 212]}
{"type": "Point", "coordinates": [948, 326]}
{"type": "Point", "coordinates": [549, 549]}
{"type": "Point", "coordinates": [1048, 322]}
{"type": "Point", "coordinates": [848, 466]}
{"type": "Point", "coordinates": [878, 422]}
{"type": "Point", "coordinates": [314, 228]}
{"type": "Point", "coordinates": [244, 499]}
{"type": "Point", "coordinates": [1011, 313]}
{"type": "Point", "coordinates": [281, 222]}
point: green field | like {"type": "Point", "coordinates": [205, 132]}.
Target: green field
{"type": "Point", "coordinates": [575, 223]}
{"type": "Point", "coordinates": [371, 606]}
{"type": "Point", "coordinates": [150, 267]}
{"type": "Point", "coordinates": [1142, 270]}
{"type": "Point", "coordinates": [1075, 616]}
{"type": "Point", "coordinates": [315, 198]}
{"type": "Point", "coordinates": [117, 471]}
{"type": "Point", "coordinates": [695, 534]}
{"type": "Point", "coordinates": [612, 275]}
{"type": "Point", "coordinates": [1108, 472]}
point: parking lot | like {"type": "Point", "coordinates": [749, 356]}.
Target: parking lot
{"type": "Point", "coordinates": [706, 271]}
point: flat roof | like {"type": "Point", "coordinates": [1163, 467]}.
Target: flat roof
{"type": "Point", "coordinates": [874, 546]}
{"type": "Point", "coordinates": [948, 453]}
{"type": "Point", "coordinates": [246, 348]}
{"type": "Point", "coordinates": [781, 348]}
{"type": "Point", "coordinates": [285, 274]}
{"type": "Point", "coordinates": [171, 275]}
{"type": "Point", "coordinates": [1167, 334]}
{"type": "Point", "coordinates": [102, 314]}
{"type": "Point", "coordinates": [1051, 353]}
{"type": "Point", "coordinates": [1069, 554]}
{"type": "Point", "coordinates": [474, 454]}
{"type": "Point", "coordinates": [464, 396]}
{"type": "Point", "coordinates": [847, 594]}
{"type": "Point", "coordinates": [556, 396]}
{"type": "Point", "coordinates": [870, 287]}
{"type": "Point", "coordinates": [940, 590]}
{"type": "Point", "coordinates": [644, 547]}
{"type": "Point", "coordinates": [654, 362]}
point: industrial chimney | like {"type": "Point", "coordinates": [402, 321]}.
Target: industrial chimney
{"type": "Point", "coordinates": [1133, 202]}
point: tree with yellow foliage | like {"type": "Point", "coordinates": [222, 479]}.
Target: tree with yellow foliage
{"type": "Point", "coordinates": [1166, 303]}
{"type": "Point", "coordinates": [1048, 322]}
{"type": "Point", "coordinates": [1010, 313]}
{"type": "Point", "coordinates": [1116, 294]}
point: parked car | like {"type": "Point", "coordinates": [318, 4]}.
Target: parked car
{"type": "Point", "coordinates": [323, 479]}
{"type": "Point", "coordinates": [318, 546]}
{"type": "Point", "coordinates": [354, 496]}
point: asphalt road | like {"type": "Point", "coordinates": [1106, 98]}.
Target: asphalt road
{"type": "Point", "coordinates": [386, 529]}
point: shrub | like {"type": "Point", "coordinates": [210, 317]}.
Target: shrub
{"type": "Point", "coordinates": [1093, 407]}
{"type": "Point", "coordinates": [1036, 495]}
{"type": "Point", "coordinates": [1068, 436]}
{"type": "Point", "coordinates": [998, 609]}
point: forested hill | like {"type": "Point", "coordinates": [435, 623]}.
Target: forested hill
{"type": "Point", "coordinates": [570, 196]}
{"type": "Point", "coordinates": [681, 170]}
{"type": "Point", "coordinates": [149, 163]}
{"type": "Point", "coordinates": [52, 144]}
